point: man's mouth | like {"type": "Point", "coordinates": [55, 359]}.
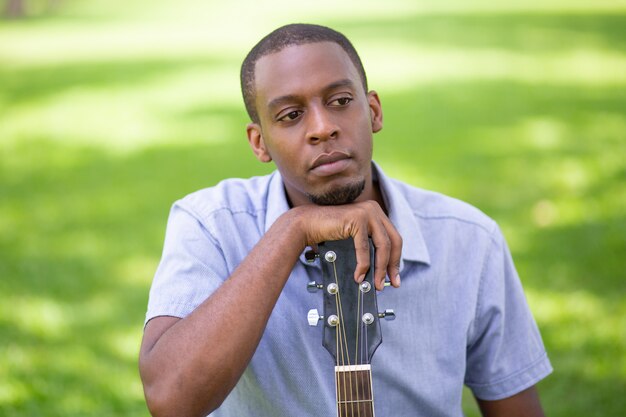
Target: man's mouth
{"type": "Point", "coordinates": [330, 163]}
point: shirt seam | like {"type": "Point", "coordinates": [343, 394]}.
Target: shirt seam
{"type": "Point", "coordinates": [174, 303]}
{"type": "Point", "coordinates": [481, 286]}
{"type": "Point", "coordinates": [484, 227]}
{"type": "Point", "coordinates": [534, 363]}
{"type": "Point", "coordinates": [205, 225]}
{"type": "Point", "coordinates": [205, 214]}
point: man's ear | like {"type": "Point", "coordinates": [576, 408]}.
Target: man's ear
{"type": "Point", "coordinates": [376, 111]}
{"type": "Point", "coordinates": [255, 139]}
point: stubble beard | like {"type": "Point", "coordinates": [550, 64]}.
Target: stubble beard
{"type": "Point", "coordinates": [342, 195]}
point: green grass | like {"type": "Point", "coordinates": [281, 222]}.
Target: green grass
{"type": "Point", "coordinates": [108, 114]}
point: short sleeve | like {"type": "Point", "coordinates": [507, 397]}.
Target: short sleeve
{"type": "Point", "coordinates": [505, 353]}
{"type": "Point", "coordinates": [192, 267]}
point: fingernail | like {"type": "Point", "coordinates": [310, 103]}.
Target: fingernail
{"type": "Point", "coordinates": [398, 279]}
{"type": "Point", "coordinates": [361, 278]}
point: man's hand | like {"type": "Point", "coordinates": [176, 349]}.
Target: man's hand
{"type": "Point", "coordinates": [359, 221]}
{"type": "Point", "coordinates": [215, 356]}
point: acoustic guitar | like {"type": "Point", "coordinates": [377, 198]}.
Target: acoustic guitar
{"type": "Point", "coordinates": [351, 324]}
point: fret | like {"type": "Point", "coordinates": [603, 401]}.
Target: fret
{"type": "Point", "coordinates": [342, 368]}
{"type": "Point", "coordinates": [359, 410]}
{"type": "Point", "coordinates": [354, 391]}
{"type": "Point", "coordinates": [354, 401]}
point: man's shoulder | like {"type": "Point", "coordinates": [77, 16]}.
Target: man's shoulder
{"type": "Point", "coordinates": [235, 195]}
{"type": "Point", "coordinates": [431, 205]}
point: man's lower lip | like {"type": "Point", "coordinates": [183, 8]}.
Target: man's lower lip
{"type": "Point", "coordinates": [331, 168]}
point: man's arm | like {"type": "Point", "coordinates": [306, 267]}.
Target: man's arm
{"type": "Point", "coordinates": [523, 404]}
{"type": "Point", "coordinates": [188, 366]}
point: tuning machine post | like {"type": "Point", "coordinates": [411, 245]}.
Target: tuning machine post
{"type": "Point", "coordinates": [388, 315]}
{"type": "Point", "coordinates": [313, 286]}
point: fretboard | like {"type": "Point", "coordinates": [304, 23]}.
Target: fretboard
{"type": "Point", "coordinates": [354, 391]}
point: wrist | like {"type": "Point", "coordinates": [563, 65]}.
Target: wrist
{"type": "Point", "coordinates": [292, 226]}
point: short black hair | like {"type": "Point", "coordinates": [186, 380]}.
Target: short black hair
{"type": "Point", "coordinates": [279, 39]}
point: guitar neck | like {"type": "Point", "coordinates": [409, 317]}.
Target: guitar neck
{"type": "Point", "coordinates": [355, 397]}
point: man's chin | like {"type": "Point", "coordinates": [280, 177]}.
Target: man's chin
{"type": "Point", "coordinates": [344, 194]}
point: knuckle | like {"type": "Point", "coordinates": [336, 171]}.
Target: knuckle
{"type": "Point", "coordinates": [384, 244]}
{"type": "Point", "coordinates": [362, 266]}
{"type": "Point", "coordinates": [362, 244]}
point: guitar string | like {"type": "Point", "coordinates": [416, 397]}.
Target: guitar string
{"type": "Point", "coordinates": [368, 373]}
{"type": "Point", "coordinates": [359, 313]}
{"type": "Point", "coordinates": [365, 356]}
{"type": "Point", "coordinates": [347, 360]}
{"type": "Point", "coordinates": [359, 376]}
{"type": "Point", "coordinates": [342, 346]}
{"type": "Point", "coordinates": [339, 354]}
{"type": "Point", "coordinates": [365, 375]}
{"type": "Point", "coordinates": [342, 336]}
{"type": "Point", "coordinates": [337, 375]}
{"type": "Point", "coordinates": [337, 387]}
{"type": "Point", "coordinates": [340, 358]}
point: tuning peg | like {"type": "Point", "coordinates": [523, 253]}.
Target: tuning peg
{"type": "Point", "coordinates": [314, 317]}
{"type": "Point", "coordinates": [388, 315]}
{"type": "Point", "coordinates": [311, 255]}
{"type": "Point", "coordinates": [313, 286]}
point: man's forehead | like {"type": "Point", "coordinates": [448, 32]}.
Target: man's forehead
{"type": "Point", "coordinates": [306, 64]}
{"type": "Point", "coordinates": [322, 45]}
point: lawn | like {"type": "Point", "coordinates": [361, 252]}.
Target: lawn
{"type": "Point", "coordinates": [111, 111]}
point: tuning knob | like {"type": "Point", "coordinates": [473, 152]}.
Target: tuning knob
{"type": "Point", "coordinates": [311, 255]}
{"type": "Point", "coordinates": [313, 286]}
{"type": "Point", "coordinates": [388, 315]}
{"type": "Point", "coordinates": [314, 317]}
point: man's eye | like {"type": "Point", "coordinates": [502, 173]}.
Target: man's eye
{"type": "Point", "coordinates": [292, 115]}
{"type": "Point", "coordinates": [342, 101]}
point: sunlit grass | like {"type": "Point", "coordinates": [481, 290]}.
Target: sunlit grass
{"type": "Point", "coordinates": [415, 66]}
{"type": "Point", "coordinates": [108, 114]}
{"type": "Point", "coordinates": [154, 110]}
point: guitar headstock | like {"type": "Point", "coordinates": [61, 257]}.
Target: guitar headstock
{"type": "Point", "coordinates": [351, 319]}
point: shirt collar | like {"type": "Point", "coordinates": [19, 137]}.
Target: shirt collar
{"type": "Point", "coordinates": [399, 210]}
{"type": "Point", "coordinates": [403, 218]}
{"type": "Point", "coordinates": [276, 200]}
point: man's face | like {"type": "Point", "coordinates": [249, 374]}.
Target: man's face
{"type": "Point", "coordinates": [316, 123]}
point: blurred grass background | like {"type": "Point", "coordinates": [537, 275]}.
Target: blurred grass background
{"type": "Point", "coordinates": [109, 111]}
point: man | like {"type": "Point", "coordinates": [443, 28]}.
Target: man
{"type": "Point", "coordinates": [225, 328]}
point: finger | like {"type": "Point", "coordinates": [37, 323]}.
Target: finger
{"type": "Point", "coordinates": [380, 226]}
{"type": "Point", "coordinates": [395, 254]}
{"type": "Point", "coordinates": [361, 248]}
{"type": "Point", "coordinates": [392, 266]}
{"type": "Point", "coordinates": [382, 243]}
{"type": "Point", "coordinates": [383, 246]}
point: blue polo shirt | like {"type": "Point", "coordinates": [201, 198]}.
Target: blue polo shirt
{"type": "Point", "coordinates": [462, 317]}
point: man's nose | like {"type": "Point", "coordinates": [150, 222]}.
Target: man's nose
{"type": "Point", "coordinates": [321, 125]}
